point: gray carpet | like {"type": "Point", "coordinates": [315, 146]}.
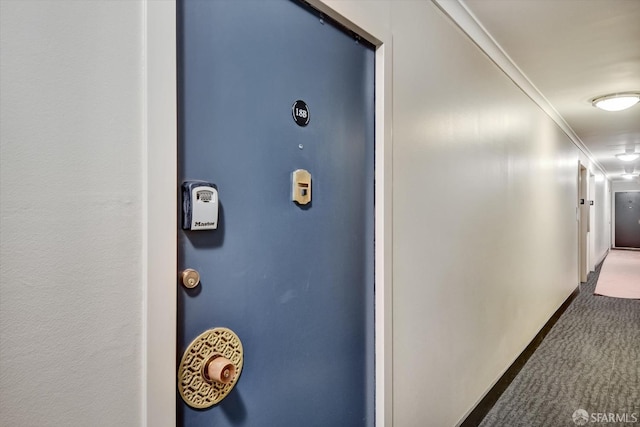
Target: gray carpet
{"type": "Point", "coordinates": [589, 360]}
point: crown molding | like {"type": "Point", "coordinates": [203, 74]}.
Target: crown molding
{"type": "Point", "coordinates": [462, 16]}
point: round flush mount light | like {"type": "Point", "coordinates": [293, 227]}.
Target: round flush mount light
{"type": "Point", "coordinates": [616, 101]}
{"type": "Point", "coordinates": [629, 175]}
{"type": "Point", "coordinates": [628, 157]}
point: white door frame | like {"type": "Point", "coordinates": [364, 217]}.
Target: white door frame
{"type": "Point", "coordinates": [159, 220]}
{"type": "Point", "coordinates": [583, 222]}
{"type": "Point", "coordinates": [592, 222]}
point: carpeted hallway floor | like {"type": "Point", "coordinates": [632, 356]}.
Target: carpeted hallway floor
{"type": "Point", "coordinates": [590, 360]}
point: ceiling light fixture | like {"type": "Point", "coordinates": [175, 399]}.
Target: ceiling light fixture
{"type": "Point", "coordinates": [629, 172]}
{"type": "Point", "coordinates": [628, 156]}
{"type": "Point", "coordinates": [616, 101]}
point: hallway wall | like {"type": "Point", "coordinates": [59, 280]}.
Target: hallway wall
{"type": "Point", "coordinates": [602, 219]}
{"type": "Point", "coordinates": [600, 213]}
{"type": "Point", "coordinates": [484, 214]}
{"type": "Point", "coordinates": [71, 213]}
{"type": "Point", "coordinates": [625, 186]}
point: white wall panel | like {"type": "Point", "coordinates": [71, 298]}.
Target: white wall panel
{"type": "Point", "coordinates": [602, 219]}
{"type": "Point", "coordinates": [70, 185]}
{"type": "Point", "coordinates": [625, 186]}
{"type": "Point", "coordinates": [484, 219]}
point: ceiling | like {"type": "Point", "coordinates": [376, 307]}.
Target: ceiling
{"type": "Point", "coordinates": [574, 51]}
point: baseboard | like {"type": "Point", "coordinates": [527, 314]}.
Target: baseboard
{"type": "Point", "coordinates": [483, 407]}
{"type": "Point", "coordinates": [602, 257]}
{"type": "Point", "coordinates": [626, 249]}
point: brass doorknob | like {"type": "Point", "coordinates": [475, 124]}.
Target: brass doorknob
{"type": "Point", "coordinates": [190, 278]}
{"type": "Point", "coordinates": [220, 369]}
{"type": "Point", "coordinates": [210, 367]}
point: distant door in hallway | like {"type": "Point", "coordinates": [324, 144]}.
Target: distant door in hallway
{"type": "Point", "coordinates": [627, 233]}
{"type": "Point", "coordinates": [583, 223]}
{"type": "Point", "coordinates": [267, 88]}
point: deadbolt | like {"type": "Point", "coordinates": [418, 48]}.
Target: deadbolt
{"type": "Point", "coordinates": [190, 278]}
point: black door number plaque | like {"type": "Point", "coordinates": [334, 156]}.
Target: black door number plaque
{"type": "Point", "coordinates": [300, 112]}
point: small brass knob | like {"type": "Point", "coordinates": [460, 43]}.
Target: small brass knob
{"type": "Point", "coordinates": [221, 370]}
{"type": "Point", "coordinates": [190, 278]}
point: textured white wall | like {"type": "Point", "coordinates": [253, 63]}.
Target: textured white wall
{"type": "Point", "coordinates": [70, 186]}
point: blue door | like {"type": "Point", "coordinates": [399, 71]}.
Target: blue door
{"type": "Point", "coordinates": [267, 88]}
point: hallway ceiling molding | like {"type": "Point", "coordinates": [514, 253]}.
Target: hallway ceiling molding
{"type": "Point", "coordinates": [569, 52]}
